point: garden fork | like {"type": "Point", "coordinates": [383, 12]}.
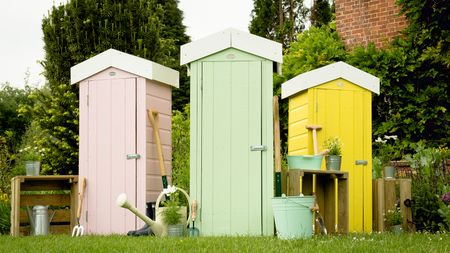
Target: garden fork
{"type": "Point", "coordinates": [78, 230]}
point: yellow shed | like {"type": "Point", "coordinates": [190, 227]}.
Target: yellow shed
{"type": "Point", "coordinates": [339, 98]}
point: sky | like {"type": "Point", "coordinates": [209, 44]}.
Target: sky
{"type": "Point", "coordinates": [21, 44]}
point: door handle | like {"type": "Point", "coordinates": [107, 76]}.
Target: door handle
{"type": "Point", "coordinates": [258, 148]}
{"type": "Point", "coordinates": [133, 156]}
{"type": "Point", "coordinates": [361, 162]}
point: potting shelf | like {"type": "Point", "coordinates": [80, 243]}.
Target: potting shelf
{"type": "Point", "coordinates": [59, 192]}
{"type": "Point", "coordinates": [325, 194]}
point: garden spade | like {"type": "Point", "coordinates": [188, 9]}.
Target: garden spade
{"type": "Point", "coordinates": [153, 116]}
{"type": "Point", "coordinates": [276, 142]}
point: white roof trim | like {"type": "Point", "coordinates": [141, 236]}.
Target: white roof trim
{"type": "Point", "coordinates": [328, 73]}
{"type": "Point", "coordinates": [231, 37]}
{"type": "Point", "coordinates": [127, 62]}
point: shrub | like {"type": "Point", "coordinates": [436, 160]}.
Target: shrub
{"type": "Point", "coordinates": [5, 212]}
{"type": "Point", "coordinates": [180, 148]}
{"type": "Point", "coordinates": [429, 183]}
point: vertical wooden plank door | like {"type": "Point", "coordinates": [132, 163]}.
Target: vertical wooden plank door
{"type": "Point", "coordinates": [231, 177]}
{"type": "Point", "coordinates": [343, 113]}
{"type": "Point", "coordinates": [112, 135]}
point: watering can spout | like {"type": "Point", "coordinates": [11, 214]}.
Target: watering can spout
{"type": "Point", "coordinates": [157, 228]}
{"type": "Point", "coordinates": [30, 217]}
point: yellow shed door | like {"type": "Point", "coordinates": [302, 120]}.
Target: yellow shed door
{"type": "Point", "coordinates": [344, 110]}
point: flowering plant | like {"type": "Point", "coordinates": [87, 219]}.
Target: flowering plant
{"type": "Point", "coordinates": [385, 151]}
{"type": "Point", "coordinates": [393, 217]}
{"type": "Point", "coordinates": [333, 145]}
{"type": "Point", "coordinates": [31, 153]}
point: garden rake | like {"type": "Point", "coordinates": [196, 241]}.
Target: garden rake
{"type": "Point", "coordinates": [78, 230]}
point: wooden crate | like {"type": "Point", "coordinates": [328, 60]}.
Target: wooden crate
{"type": "Point", "coordinates": [385, 197]}
{"type": "Point", "coordinates": [325, 194]}
{"type": "Point", "coordinates": [59, 192]}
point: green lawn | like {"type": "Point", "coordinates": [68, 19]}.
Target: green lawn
{"type": "Point", "coordinates": [420, 242]}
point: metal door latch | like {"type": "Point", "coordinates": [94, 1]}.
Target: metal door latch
{"type": "Point", "coordinates": [258, 148]}
{"type": "Point", "coordinates": [361, 162]}
{"type": "Point", "coordinates": [133, 156]}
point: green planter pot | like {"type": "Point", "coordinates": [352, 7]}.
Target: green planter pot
{"type": "Point", "coordinates": [333, 162]}
{"type": "Point", "coordinates": [175, 230]}
{"type": "Point", "coordinates": [389, 171]}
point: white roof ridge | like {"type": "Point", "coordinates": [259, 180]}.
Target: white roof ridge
{"type": "Point", "coordinates": [126, 62]}
{"type": "Point", "coordinates": [328, 73]}
{"type": "Point", "coordinates": [227, 38]}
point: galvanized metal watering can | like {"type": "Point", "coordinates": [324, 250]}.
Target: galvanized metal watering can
{"type": "Point", "coordinates": [157, 226]}
{"type": "Point", "coordinates": [39, 220]}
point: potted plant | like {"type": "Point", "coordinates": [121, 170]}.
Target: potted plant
{"type": "Point", "coordinates": [385, 152]}
{"type": "Point", "coordinates": [173, 215]}
{"type": "Point", "coordinates": [393, 220]}
{"type": "Point", "coordinates": [32, 158]}
{"type": "Point", "coordinates": [334, 155]}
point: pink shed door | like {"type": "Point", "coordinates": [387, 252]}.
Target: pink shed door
{"type": "Point", "coordinates": [112, 136]}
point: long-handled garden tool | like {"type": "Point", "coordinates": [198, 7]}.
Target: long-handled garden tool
{"type": "Point", "coordinates": [78, 230]}
{"type": "Point", "coordinates": [153, 116]}
{"type": "Point", "coordinates": [193, 231]}
{"type": "Point", "coordinates": [277, 146]}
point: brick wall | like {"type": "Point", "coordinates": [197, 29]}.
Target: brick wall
{"type": "Point", "coordinates": [359, 22]}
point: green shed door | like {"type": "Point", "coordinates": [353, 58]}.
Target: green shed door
{"type": "Point", "coordinates": [230, 170]}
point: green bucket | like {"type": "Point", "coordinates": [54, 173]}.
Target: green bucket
{"type": "Point", "coordinates": [293, 216]}
{"type": "Point", "coordinates": [305, 162]}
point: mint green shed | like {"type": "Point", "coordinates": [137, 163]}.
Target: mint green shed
{"type": "Point", "coordinates": [231, 153]}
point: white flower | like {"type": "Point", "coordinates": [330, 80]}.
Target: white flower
{"type": "Point", "coordinates": [379, 140]}
{"type": "Point", "coordinates": [387, 137]}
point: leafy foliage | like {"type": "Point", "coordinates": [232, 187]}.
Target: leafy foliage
{"type": "Point", "coordinates": [5, 166]}
{"type": "Point", "coordinates": [334, 146]}
{"type": "Point", "coordinates": [180, 148]}
{"type": "Point", "coordinates": [5, 211]}
{"type": "Point", "coordinates": [10, 122]}
{"type": "Point", "coordinates": [428, 184]}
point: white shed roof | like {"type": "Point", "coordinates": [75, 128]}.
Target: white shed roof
{"type": "Point", "coordinates": [231, 37]}
{"type": "Point", "coordinates": [127, 62]}
{"type": "Point", "coordinates": [328, 73]}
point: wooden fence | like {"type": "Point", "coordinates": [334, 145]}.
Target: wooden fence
{"type": "Point", "coordinates": [387, 194]}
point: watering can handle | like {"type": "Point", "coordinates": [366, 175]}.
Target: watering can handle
{"type": "Point", "coordinates": [158, 200]}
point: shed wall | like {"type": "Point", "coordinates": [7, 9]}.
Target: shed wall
{"type": "Point", "coordinates": [159, 98]}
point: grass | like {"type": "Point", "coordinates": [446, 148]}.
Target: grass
{"type": "Point", "coordinates": [386, 242]}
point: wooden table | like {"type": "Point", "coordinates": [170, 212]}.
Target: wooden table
{"type": "Point", "coordinates": [59, 192]}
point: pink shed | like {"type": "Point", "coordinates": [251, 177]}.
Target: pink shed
{"type": "Point", "coordinates": [116, 89]}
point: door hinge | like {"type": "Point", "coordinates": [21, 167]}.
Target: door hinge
{"type": "Point", "coordinates": [86, 216]}
{"type": "Point", "coordinates": [87, 99]}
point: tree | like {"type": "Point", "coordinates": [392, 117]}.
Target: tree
{"type": "Point", "coordinates": [81, 29]}
{"type": "Point", "coordinates": [10, 122]}
{"type": "Point", "coordinates": [321, 13]}
{"type": "Point", "coordinates": [279, 20]}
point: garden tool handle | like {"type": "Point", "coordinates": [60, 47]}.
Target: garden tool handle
{"type": "Point", "coordinates": [194, 209]}
{"type": "Point", "coordinates": [81, 196]}
{"type": "Point", "coordinates": [153, 116]}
